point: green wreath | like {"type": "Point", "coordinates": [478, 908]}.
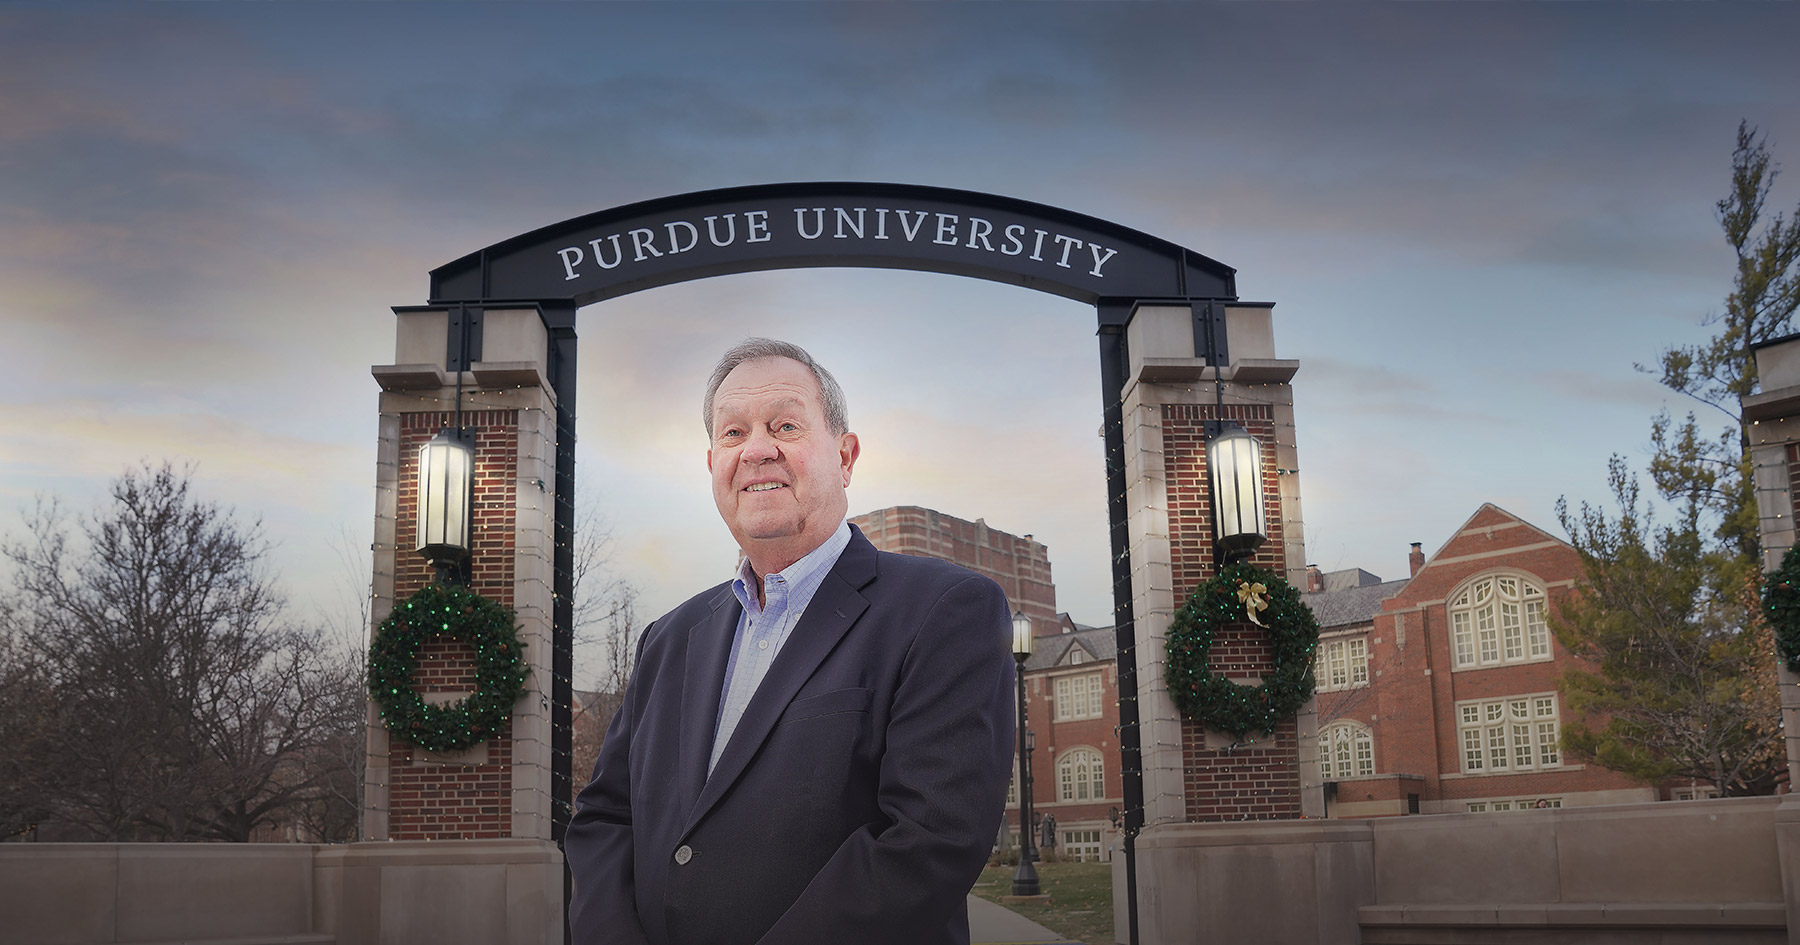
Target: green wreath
{"type": "Point", "coordinates": [490, 628]}
{"type": "Point", "coordinates": [1781, 600]}
{"type": "Point", "coordinates": [1241, 592]}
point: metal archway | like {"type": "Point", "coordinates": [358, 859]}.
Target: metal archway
{"type": "Point", "coordinates": [604, 255]}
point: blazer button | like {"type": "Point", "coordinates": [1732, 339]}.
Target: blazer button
{"type": "Point", "coordinates": [683, 854]}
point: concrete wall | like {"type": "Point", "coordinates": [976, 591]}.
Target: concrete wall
{"type": "Point", "coordinates": [497, 892]}
{"type": "Point", "coordinates": [1699, 871]}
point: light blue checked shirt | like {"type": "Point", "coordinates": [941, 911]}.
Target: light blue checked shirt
{"type": "Point", "coordinates": [763, 628]}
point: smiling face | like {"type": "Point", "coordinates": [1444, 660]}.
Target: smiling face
{"type": "Point", "coordinates": [778, 472]}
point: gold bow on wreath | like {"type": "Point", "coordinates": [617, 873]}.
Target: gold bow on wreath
{"type": "Point", "coordinates": [1252, 596]}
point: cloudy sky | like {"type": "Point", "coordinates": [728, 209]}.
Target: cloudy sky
{"type": "Point", "coordinates": [1472, 220]}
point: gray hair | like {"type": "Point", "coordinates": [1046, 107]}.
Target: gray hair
{"type": "Point", "coordinates": [831, 396]}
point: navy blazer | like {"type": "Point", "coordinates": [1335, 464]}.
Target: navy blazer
{"type": "Point", "coordinates": [857, 799]}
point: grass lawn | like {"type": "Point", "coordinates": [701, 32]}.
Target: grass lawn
{"type": "Point", "coordinates": [1080, 907]}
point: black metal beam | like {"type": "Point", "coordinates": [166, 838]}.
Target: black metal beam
{"type": "Point", "coordinates": [559, 319]}
{"type": "Point", "coordinates": [1114, 367]}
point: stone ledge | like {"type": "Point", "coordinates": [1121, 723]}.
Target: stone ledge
{"type": "Point", "coordinates": [1722, 915]}
{"type": "Point", "coordinates": [409, 376]}
{"type": "Point", "coordinates": [1255, 833]}
{"type": "Point", "coordinates": [509, 374]}
{"type": "Point", "coordinates": [380, 853]}
{"type": "Point", "coordinates": [252, 940]}
{"type": "Point", "coordinates": [1768, 405]}
{"type": "Point", "coordinates": [1244, 371]}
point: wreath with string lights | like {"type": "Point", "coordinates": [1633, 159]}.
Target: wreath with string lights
{"type": "Point", "coordinates": [488, 627]}
{"type": "Point", "coordinates": [1781, 601]}
{"type": "Point", "coordinates": [1242, 593]}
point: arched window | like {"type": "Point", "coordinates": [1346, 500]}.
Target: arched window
{"type": "Point", "coordinates": [1080, 775]}
{"type": "Point", "coordinates": [1346, 750]}
{"type": "Point", "coordinates": [1498, 619]}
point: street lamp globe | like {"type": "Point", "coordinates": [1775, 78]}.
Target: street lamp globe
{"type": "Point", "coordinates": [446, 488]}
{"type": "Point", "coordinates": [1240, 523]}
{"type": "Point", "coordinates": [1021, 636]}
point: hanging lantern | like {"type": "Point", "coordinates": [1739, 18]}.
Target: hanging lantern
{"type": "Point", "coordinates": [446, 487]}
{"type": "Point", "coordinates": [1240, 526]}
{"type": "Point", "coordinates": [1021, 637]}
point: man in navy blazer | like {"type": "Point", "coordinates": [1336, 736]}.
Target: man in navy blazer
{"type": "Point", "coordinates": [816, 752]}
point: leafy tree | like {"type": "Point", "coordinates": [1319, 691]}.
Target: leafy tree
{"type": "Point", "coordinates": [1684, 682]}
{"type": "Point", "coordinates": [180, 702]}
{"type": "Point", "coordinates": [1713, 469]}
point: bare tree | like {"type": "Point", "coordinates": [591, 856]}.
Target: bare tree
{"type": "Point", "coordinates": [185, 705]}
{"type": "Point", "coordinates": [594, 710]}
{"type": "Point", "coordinates": [27, 726]}
{"type": "Point", "coordinates": [606, 632]}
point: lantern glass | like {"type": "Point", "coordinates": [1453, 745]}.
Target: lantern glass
{"type": "Point", "coordinates": [1021, 634]}
{"type": "Point", "coordinates": [1240, 524]}
{"type": "Point", "coordinates": [446, 484]}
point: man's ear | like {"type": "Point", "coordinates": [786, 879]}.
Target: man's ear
{"type": "Point", "coordinates": [849, 447]}
{"type": "Point", "coordinates": [709, 460]}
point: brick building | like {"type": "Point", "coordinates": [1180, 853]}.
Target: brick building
{"type": "Point", "coordinates": [1072, 712]}
{"type": "Point", "coordinates": [1071, 679]}
{"type": "Point", "coordinates": [1438, 694]}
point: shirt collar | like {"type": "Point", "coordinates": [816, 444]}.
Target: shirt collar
{"type": "Point", "coordinates": [800, 572]}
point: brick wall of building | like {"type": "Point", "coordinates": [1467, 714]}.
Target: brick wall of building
{"type": "Point", "coordinates": [1058, 738]}
{"type": "Point", "coordinates": [1259, 781]}
{"type": "Point", "coordinates": [1411, 708]}
{"type": "Point", "coordinates": [468, 795]}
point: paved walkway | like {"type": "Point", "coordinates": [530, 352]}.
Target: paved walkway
{"type": "Point", "coordinates": [991, 924]}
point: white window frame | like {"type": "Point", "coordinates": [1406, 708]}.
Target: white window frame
{"type": "Point", "coordinates": [1343, 663]}
{"type": "Point", "coordinates": [1083, 844]}
{"type": "Point", "coordinates": [1499, 619]}
{"type": "Point", "coordinates": [1346, 750]}
{"type": "Point", "coordinates": [1513, 733]}
{"type": "Point", "coordinates": [1080, 775]}
{"type": "Point", "coordinates": [1079, 696]}
{"type": "Point", "coordinates": [1508, 804]}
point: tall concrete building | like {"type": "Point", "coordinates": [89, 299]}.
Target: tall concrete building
{"type": "Point", "coordinates": [1019, 564]}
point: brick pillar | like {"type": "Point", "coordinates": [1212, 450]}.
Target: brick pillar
{"type": "Point", "coordinates": [1221, 779]}
{"type": "Point", "coordinates": [500, 788]}
{"type": "Point", "coordinates": [1196, 780]}
{"type": "Point", "coordinates": [1192, 774]}
{"type": "Point", "coordinates": [1774, 418]}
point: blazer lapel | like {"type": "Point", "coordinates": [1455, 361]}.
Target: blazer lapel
{"type": "Point", "coordinates": [832, 611]}
{"type": "Point", "coordinates": [708, 652]}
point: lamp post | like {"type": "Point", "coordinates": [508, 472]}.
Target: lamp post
{"type": "Point", "coordinates": [1025, 879]}
{"type": "Point", "coordinates": [1031, 814]}
{"type": "Point", "coordinates": [446, 493]}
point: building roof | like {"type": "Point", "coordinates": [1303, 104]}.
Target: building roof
{"type": "Point", "coordinates": [1346, 604]}
{"type": "Point", "coordinates": [1347, 578]}
{"type": "Point", "coordinates": [1048, 651]}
